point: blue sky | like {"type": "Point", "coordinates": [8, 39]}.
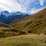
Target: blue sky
{"type": "Point", "coordinates": [27, 6]}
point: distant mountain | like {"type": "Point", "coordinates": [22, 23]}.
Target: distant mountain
{"type": "Point", "coordinates": [32, 24]}
{"type": "Point", "coordinates": [7, 17]}
{"type": "Point", "coordinates": [20, 23]}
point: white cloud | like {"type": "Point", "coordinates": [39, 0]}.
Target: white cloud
{"type": "Point", "coordinates": [34, 10]}
{"type": "Point", "coordinates": [15, 5]}
{"type": "Point", "coordinates": [10, 5]}
{"type": "Point", "coordinates": [26, 3]}
{"type": "Point", "coordinates": [41, 2]}
{"type": "Point", "coordinates": [21, 5]}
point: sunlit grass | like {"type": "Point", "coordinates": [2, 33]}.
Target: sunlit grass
{"type": "Point", "coordinates": [24, 40]}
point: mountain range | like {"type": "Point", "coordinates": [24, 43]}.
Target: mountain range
{"type": "Point", "coordinates": [17, 23]}
{"type": "Point", "coordinates": [7, 17]}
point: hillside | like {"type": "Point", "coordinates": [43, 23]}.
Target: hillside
{"type": "Point", "coordinates": [7, 31]}
{"type": "Point", "coordinates": [3, 26]}
{"type": "Point", "coordinates": [32, 24]}
{"type": "Point", "coordinates": [24, 40]}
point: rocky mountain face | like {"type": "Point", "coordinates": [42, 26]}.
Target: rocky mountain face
{"type": "Point", "coordinates": [7, 17]}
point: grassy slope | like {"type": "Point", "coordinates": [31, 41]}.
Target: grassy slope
{"type": "Point", "coordinates": [34, 24]}
{"type": "Point", "coordinates": [6, 31]}
{"type": "Point", "coordinates": [24, 40]}
{"type": "Point", "coordinates": [3, 26]}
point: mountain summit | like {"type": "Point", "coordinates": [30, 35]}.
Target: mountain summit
{"type": "Point", "coordinates": [7, 17]}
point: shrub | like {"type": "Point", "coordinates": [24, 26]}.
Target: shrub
{"type": "Point", "coordinates": [7, 34]}
{"type": "Point", "coordinates": [29, 31]}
